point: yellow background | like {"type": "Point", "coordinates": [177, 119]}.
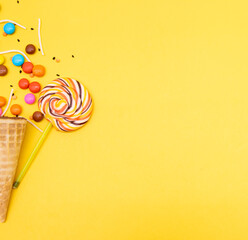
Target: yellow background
{"type": "Point", "coordinates": [165, 155]}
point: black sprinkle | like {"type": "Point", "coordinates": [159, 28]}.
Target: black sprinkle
{"type": "Point", "coordinates": [72, 56]}
{"type": "Point", "coordinates": [16, 115]}
{"type": "Point", "coordinates": [32, 28]}
{"type": "Point", "coordinates": [11, 85]}
{"type": "Point", "coordinates": [18, 40]}
{"type": "Point", "coordinates": [57, 75]}
{"type": "Point", "coordinates": [20, 71]}
{"type": "Point", "coordinates": [53, 58]}
{"type": "Point", "coordinates": [38, 49]}
{"type": "Point", "coordinates": [13, 94]}
{"type": "Point", "coordinates": [17, 1]}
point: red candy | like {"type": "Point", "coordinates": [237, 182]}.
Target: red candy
{"type": "Point", "coordinates": [34, 87]}
{"type": "Point", "coordinates": [27, 67]}
{"type": "Point", "coordinates": [23, 83]}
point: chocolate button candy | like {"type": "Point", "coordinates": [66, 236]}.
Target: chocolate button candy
{"type": "Point", "coordinates": [30, 49]}
{"type": "Point", "coordinates": [38, 116]}
{"type": "Point", "coordinates": [3, 70]}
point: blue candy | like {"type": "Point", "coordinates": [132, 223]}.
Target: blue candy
{"type": "Point", "coordinates": [18, 60]}
{"type": "Point", "coordinates": [9, 28]}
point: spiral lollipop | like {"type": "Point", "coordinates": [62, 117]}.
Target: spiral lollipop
{"type": "Point", "coordinates": [67, 105]}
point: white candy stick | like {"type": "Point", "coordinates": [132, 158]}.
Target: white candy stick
{"type": "Point", "coordinates": [40, 37]}
{"type": "Point", "coordinates": [34, 125]}
{"type": "Point", "coordinates": [10, 97]}
{"type": "Point", "coordinates": [10, 51]}
{"type": "Point", "coordinates": [7, 20]}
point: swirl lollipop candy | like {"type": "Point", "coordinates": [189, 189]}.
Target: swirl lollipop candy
{"type": "Point", "coordinates": [67, 105]}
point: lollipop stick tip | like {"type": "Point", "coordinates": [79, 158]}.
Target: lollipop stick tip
{"type": "Point", "coordinates": [16, 185]}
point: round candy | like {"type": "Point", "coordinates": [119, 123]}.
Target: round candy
{"type": "Point", "coordinates": [34, 87]}
{"type": "Point", "coordinates": [27, 67]}
{"type": "Point", "coordinates": [9, 28]}
{"type": "Point", "coordinates": [18, 60]}
{"type": "Point", "coordinates": [1, 111]}
{"type": "Point", "coordinates": [30, 49]}
{"type": "Point", "coordinates": [16, 109]}
{"type": "Point", "coordinates": [2, 59]}
{"type": "Point", "coordinates": [38, 116]}
{"type": "Point", "coordinates": [39, 70]}
{"type": "Point", "coordinates": [23, 83]}
{"type": "Point", "coordinates": [66, 103]}
{"type": "Point", "coordinates": [29, 98]}
{"type": "Point", "coordinates": [3, 70]}
{"type": "Point", "coordinates": [2, 101]}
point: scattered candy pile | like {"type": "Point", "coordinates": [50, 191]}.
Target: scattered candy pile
{"type": "Point", "coordinates": [21, 60]}
{"type": "Point", "coordinates": [27, 67]}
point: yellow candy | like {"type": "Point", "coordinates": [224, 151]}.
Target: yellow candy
{"type": "Point", "coordinates": [2, 59]}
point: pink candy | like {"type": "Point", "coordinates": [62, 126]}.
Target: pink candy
{"type": "Point", "coordinates": [1, 111]}
{"type": "Point", "coordinates": [29, 98]}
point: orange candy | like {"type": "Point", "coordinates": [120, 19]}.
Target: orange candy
{"type": "Point", "coordinates": [39, 70]}
{"type": "Point", "coordinates": [16, 109]}
{"type": "Point", "coordinates": [2, 101]}
{"type": "Point", "coordinates": [5, 34]}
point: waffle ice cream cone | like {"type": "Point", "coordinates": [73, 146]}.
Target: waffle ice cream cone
{"type": "Point", "coordinates": [12, 131]}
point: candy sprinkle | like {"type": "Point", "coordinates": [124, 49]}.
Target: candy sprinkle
{"type": "Point", "coordinates": [32, 28]}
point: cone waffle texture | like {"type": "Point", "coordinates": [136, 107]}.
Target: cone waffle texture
{"type": "Point", "coordinates": [12, 132]}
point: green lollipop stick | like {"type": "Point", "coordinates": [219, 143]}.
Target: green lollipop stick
{"type": "Point", "coordinates": [32, 156]}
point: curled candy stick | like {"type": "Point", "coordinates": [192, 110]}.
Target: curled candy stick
{"type": "Point", "coordinates": [9, 101]}
{"type": "Point", "coordinates": [39, 36]}
{"type": "Point", "coordinates": [7, 20]}
{"type": "Point", "coordinates": [10, 51]}
{"type": "Point", "coordinates": [66, 103]}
